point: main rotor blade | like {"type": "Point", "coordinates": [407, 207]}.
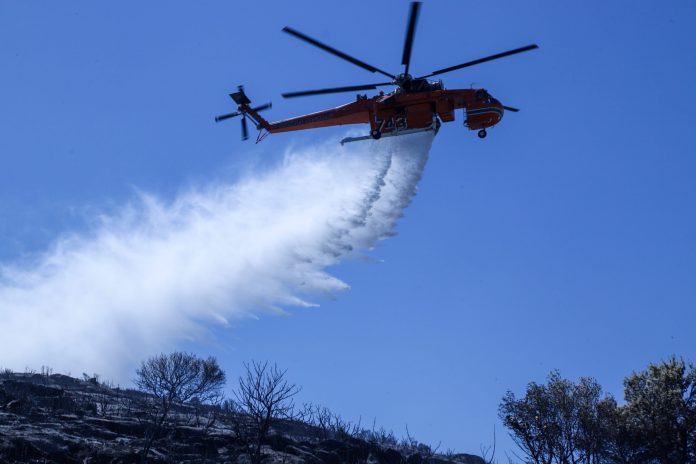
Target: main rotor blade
{"type": "Point", "coordinates": [226, 116]}
{"type": "Point", "coordinates": [305, 93]}
{"type": "Point", "coordinates": [510, 108]}
{"type": "Point", "coordinates": [410, 32]}
{"type": "Point", "coordinates": [482, 60]}
{"type": "Point", "coordinates": [333, 51]}
{"type": "Point", "coordinates": [245, 131]}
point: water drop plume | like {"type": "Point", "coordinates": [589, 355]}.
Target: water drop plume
{"type": "Point", "coordinates": [157, 272]}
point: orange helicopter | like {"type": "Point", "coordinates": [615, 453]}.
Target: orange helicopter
{"type": "Point", "coordinates": [416, 105]}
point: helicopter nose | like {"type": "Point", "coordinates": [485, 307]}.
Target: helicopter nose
{"type": "Point", "coordinates": [484, 114]}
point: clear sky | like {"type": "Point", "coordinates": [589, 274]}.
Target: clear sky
{"type": "Point", "coordinates": [566, 239]}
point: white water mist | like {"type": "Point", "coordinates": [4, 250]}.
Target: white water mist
{"type": "Point", "coordinates": [158, 273]}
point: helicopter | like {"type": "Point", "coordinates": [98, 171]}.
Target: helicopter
{"type": "Point", "coordinates": [417, 104]}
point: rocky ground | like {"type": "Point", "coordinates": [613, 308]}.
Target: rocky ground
{"type": "Point", "coordinates": [59, 419]}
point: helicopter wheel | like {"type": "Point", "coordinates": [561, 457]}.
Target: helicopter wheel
{"type": "Point", "coordinates": [482, 133]}
{"type": "Point", "coordinates": [375, 134]}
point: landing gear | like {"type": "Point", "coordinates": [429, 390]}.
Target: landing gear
{"type": "Point", "coordinates": [376, 134]}
{"type": "Point", "coordinates": [482, 133]}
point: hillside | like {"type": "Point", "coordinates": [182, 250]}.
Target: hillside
{"type": "Point", "coordinates": [59, 419]}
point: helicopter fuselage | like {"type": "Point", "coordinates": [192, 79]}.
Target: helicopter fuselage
{"type": "Point", "coordinates": [397, 111]}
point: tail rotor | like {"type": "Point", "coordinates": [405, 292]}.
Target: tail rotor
{"type": "Point", "coordinates": [245, 131]}
{"type": "Point", "coordinates": [242, 101]}
{"type": "Point", "coordinates": [222, 117]}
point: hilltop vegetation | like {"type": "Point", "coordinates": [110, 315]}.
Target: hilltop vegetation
{"type": "Point", "coordinates": [562, 422]}
{"type": "Point", "coordinates": [179, 414]}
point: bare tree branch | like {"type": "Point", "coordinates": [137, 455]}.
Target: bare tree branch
{"type": "Point", "coordinates": [176, 378]}
{"type": "Point", "coordinates": [264, 395]}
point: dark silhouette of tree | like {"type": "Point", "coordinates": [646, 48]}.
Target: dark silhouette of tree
{"type": "Point", "coordinates": [623, 445]}
{"type": "Point", "coordinates": [593, 414]}
{"type": "Point", "coordinates": [176, 378]}
{"type": "Point", "coordinates": [264, 395]}
{"type": "Point", "coordinates": [560, 422]}
{"type": "Point", "coordinates": [531, 423]}
{"type": "Point", "coordinates": [661, 411]}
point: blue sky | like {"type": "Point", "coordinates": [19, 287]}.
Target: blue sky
{"type": "Point", "coordinates": [566, 239]}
